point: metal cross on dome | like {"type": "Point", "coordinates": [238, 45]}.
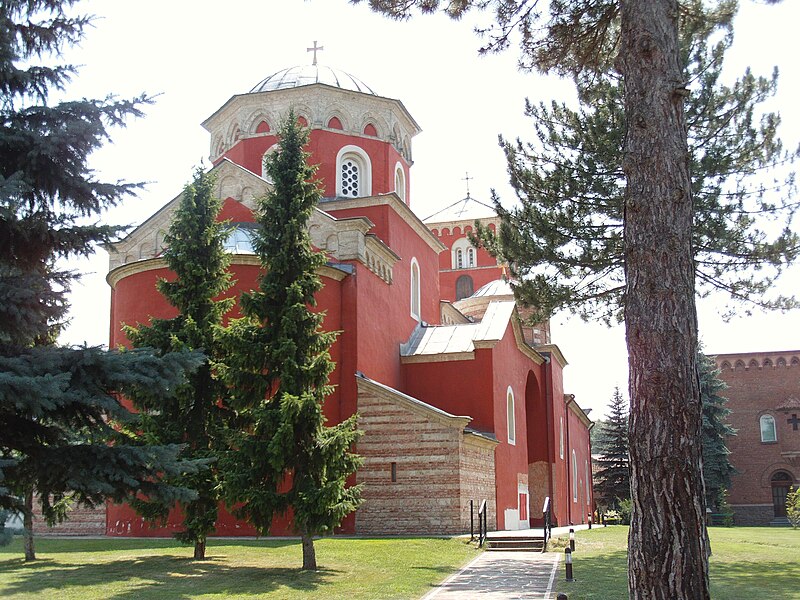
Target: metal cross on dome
{"type": "Point", "coordinates": [314, 49]}
{"type": "Point", "coordinates": [467, 179]}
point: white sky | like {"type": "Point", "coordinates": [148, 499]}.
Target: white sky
{"type": "Point", "coordinates": [197, 54]}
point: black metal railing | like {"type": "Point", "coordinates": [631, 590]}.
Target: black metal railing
{"type": "Point", "coordinates": [482, 523]}
{"type": "Point", "coordinates": [548, 523]}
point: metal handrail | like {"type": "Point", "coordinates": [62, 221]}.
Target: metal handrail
{"type": "Point", "coordinates": [482, 524]}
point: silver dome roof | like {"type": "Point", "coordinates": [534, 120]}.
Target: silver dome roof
{"type": "Point", "coordinates": [498, 287]}
{"type": "Point", "coordinates": [309, 74]}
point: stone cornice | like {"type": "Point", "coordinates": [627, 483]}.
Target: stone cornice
{"type": "Point", "coordinates": [433, 358]}
{"type": "Point", "coordinates": [140, 266]}
{"type": "Point", "coordinates": [392, 200]}
{"type": "Point", "coordinates": [474, 438]}
{"type": "Point", "coordinates": [554, 351]}
{"type": "Point", "coordinates": [463, 223]}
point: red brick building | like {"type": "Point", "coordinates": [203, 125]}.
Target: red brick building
{"type": "Point", "coordinates": [457, 399]}
{"type": "Point", "coordinates": [763, 395]}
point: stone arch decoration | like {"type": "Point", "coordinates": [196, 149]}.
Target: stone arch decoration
{"type": "Point", "coordinates": [767, 362]}
{"type": "Point", "coordinates": [740, 364]}
{"type": "Point", "coordinates": [781, 362]}
{"type": "Point", "coordinates": [725, 365]}
{"type": "Point", "coordinates": [753, 364]}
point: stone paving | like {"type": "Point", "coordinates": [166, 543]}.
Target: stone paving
{"type": "Point", "coordinates": [502, 576]}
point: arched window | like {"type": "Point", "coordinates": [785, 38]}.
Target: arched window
{"type": "Point", "coordinates": [510, 417]}
{"type": "Point", "coordinates": [588, 487]}
{"type": "Point", "coordinates": [353, 173]}
{"type": "Point", "coordinates": [574, 477]}
{"type": "Point", "coordinates": [270, 151]}
{"type": "Point", "coordinates": [400, 182]}
{"type": "Point", "coordinates": [768, 433]}
{"type": "Point", "coordinates": [335, 123]}
{"type": "Point", "coordinates": [463, 254]}
{"type": "Point", "coordinates": [369, 129]}
{"type": "Point", "coordinates": [464, 287]}
{"type": "Point", "coordinates": [239, 242]}
{"type": "Point", "coordinates": [263, 127]}
{"type": "Point", "coordinates": [415, 290]}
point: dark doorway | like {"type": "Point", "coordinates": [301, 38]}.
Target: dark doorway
{"type": "Point", "coordinates": [781, 483]}
{"type": "Point", "coordinates": [464, 287]}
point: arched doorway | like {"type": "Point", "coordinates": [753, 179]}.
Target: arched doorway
{"type": "Point", "coordinates": [781, 483]}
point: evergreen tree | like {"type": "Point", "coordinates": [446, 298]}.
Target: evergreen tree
{"type": "Point", "coordinates": [284, 456]}
{"type": "Point", "coordinates": [58, 405]}
{"type": "Point", "coordinates": [640, 40]}
{"type": "Point", "coordinates": [565, 241]}
{"type": "Point", "coordinates": [717, 467]}
{"type": "Point", "coordinates": [613, 479]}
{"type": "Point", "coordinates": [196, 414]}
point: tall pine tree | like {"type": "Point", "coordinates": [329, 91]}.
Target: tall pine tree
{"type": "Point", "coordinates": [717, 467]}
{"type": "Point", "coordinates": [284, 457]}
{"type": "Point", "coordinates": [613, 478]}
{"type": "Point", "coordinates": [58, 405]}
{"type": "Point", "coordinates": [196, 415]}
{"type": "Point", "coordinates": [565, 241]}
{"type": "Point", "coordinates": [640, 40]}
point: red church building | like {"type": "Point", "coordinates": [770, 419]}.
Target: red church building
{"type": "Point", "coordinates": [458, 399]}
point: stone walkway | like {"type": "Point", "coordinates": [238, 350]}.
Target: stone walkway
{"type": "Point", "coordinates": [502, 576]}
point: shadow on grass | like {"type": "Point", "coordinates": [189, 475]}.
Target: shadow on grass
{"type": "Point", "coordinates": [63, 545]}
{"type": "Point", "coordinates": [764, 579]}
{"type": "Point", "coordinates": [159, 577]}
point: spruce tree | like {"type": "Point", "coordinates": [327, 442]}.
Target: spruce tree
{"type": "Point", "coordinates": [196, 414]}
{"type": "Point", "coordinates": [613, 479]}
{"type": "Point", "coordinates": [717, 467]}
{"type": "Point", "coordinates": [63, 431]}
{"type": "Point", "coordinates": [284, 457]}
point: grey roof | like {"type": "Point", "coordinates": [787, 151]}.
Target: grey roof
{"type": "Point", "coordinates": [498, 287]}
{"type": "Point", "coordinates": [448, 339]}
{"type": "Point", "coordinates": [301, 75]}
{"type": "Point", "coordinates": [467, 209]}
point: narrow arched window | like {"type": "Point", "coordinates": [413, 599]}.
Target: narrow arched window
{"type": "Point", "coordinates": [574, 477]}
{"type": "Point", "coordinates": [459, 258]}
{"type": "Point", "coordinates": [510, 417]}
{"type": "Point", "coordinates": [470, 257]}
{"type": "Point", "coordinates": [588, 480]}
{"type": "Point", "coordinates": [415, 290]}
{"type": "Point", "coordinates": [768, 433]}
{"type": "Point", "coordinates": [400, 182]}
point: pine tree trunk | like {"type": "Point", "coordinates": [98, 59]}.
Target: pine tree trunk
{"type": "Point", "coordinates": [200, 549]}
{"type": "Point", "coordinates": [27, 524]}
{"type": "Point", "coordinates": [667, 542]}
{"type": "Point", "coordinates": [309, 554]}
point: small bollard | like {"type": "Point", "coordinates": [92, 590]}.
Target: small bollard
{"type": "Point", "coordinates": [568, 561]}
{"type": "Point", "coordinates": [571, 540]}
{"type": "Point", "coordinates": [604, 521]}
{"type": "Point", "coordinates": [590, 521]}
{"type": "Point", "coordinates": [562, 597]}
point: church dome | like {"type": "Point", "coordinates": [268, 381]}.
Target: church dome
{"type": "Point", "coordinates": [498, 287]}
{"type": "Point", "coordinates": [310, 74]}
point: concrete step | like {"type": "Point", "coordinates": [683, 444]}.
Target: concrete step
{"type": "Point", "coordinates": [516, 544]}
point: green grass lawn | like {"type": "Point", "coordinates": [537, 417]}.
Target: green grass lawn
{"type": "Point", "coordinates": [137, 569]}
{"type": "Point", "coordinates": [747, 563]}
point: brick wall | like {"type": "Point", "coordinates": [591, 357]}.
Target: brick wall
{"type": "Point", "coordinates": [760, 383]}
{"type": "Point", "coordinates": [477, 479]}
{"type": "Point", "coordinates": [436, 466]}
{"type": "Point", "coordinates": [82, 521]}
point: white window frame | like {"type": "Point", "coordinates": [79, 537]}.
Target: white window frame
{"type": "Point", "coordinates": [416, 286]}
{"type": "Point", "coordinates": [361, 158]}
{"type": "Point", "coordinates": [511, 417]}
{"type": "Point", "coordinates": [762, 420]}
{"type": "Point", "coordinates": [574, 477]}
{"type": "Point", "coordinates": [271, 150]}
{"type": "Point", "coordinates": [463, 254]}
{"type": "Point", "coordinates": [400, 181]}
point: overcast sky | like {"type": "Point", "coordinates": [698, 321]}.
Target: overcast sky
{"type": "Point", "coordinates": [195, 55]}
